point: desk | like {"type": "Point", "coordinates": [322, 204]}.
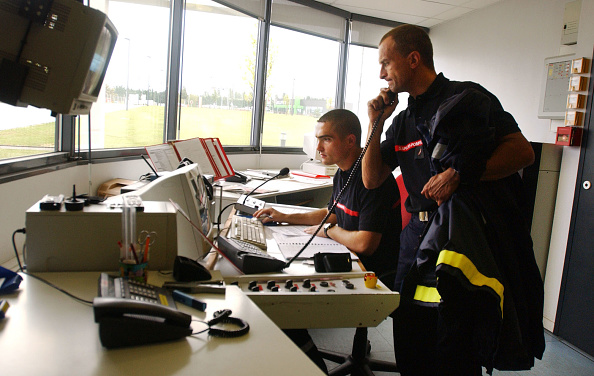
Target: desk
{"type": "Point", "coordinates": [359, 307]}
{"type": "Point", "coordinates": [47, 333]}
{"type": "Point", "coordinates": [295, 190]}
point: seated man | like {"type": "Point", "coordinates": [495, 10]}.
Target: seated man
{"type": "Point", "coordinates": [366, 221]}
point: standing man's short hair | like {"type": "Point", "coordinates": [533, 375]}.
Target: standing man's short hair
{"type": "Point", "coordinates": [409, 38]}
{"type": "Point", "coordinates": [344, 122]}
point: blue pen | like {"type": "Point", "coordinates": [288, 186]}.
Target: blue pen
{"type": "Point", "coordinates": [188, 300]}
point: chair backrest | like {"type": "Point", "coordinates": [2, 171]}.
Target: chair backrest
{"type": "Point", "coordinates": [403, 195]}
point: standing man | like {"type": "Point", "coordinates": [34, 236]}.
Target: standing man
{"type": "Point", "coordinates": [406, 60]}
{"type": "Point", "coordinates": [366, 221]}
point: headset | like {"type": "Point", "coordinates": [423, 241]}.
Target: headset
{"type": "Point", "coordinates": [224, 317]}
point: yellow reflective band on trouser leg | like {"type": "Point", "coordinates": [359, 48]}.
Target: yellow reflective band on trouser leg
{"type": "Point", "coordinates": [427, 294]}
{"type": "Point", "coordinates": [463, 263]}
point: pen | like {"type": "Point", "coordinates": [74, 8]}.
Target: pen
{"type": "Point", "coordinates": [122, 250]}
{"type": "Point", "coordinates": [134, 253]}
{"type": "Point", "coordinates": [146, 248]}
{"type": "Point", "coordinates": [188, 300]}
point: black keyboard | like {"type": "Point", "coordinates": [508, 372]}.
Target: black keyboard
{"type": "Point", "coordinates": [247, 257]}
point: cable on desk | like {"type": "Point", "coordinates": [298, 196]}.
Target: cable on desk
{"type": "Point", "coordinates": [22, 270]}
{"type": "Point", "coordinates": [16, 253]}
{"type": "Point", "coordinates": [219, 217]}
{"type": "Point", "coordinates": [81, 300]}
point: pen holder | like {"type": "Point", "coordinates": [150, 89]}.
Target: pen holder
{"type": "Point", "coordinates": [134, 272]}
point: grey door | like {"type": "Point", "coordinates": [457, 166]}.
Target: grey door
{"type": "Point", "coordinates": [575, 313]}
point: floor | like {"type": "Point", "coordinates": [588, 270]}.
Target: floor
{"type": "Point", "coordinates": [559, 357]}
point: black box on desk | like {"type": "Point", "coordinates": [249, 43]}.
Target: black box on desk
{"type": "Point", "coordinates": [87, 240]}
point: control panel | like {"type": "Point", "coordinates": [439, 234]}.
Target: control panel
{"type": "Point", "coordinates": [334, 300]}
{"type": "Point", "coordinates": [324, 285]}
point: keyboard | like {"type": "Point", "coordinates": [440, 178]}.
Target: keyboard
{"type": "Point", "coordinates": [248, 229]}
{"type": "Point", "coordinates": [247, 257]}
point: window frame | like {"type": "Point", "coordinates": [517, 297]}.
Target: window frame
{"type": "Point", "coordinates": [67, 154]}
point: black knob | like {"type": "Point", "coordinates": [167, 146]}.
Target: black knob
{"type": "Point", "coordinates": [270, 284]}
{"type": "Point", "coordinates": [255, 288]}
{"type": "Point", "coordinates": [312, 289]}
{"type": "Point", "coordinates": [324, 284]}
{"type": "Point", "coordinates": [289, 283]}
{"type": "Point", "coordinates": [274, 288]}
{"type": "Point", "coordinates": [349, 286]}
{"type": "Point", "coordinates": [252, 284]}
{"type": "Point", "coordinates": [294, 289]}
{"type": "Point", "coordinates": [306, 283]}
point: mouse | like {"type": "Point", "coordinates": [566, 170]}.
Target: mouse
{"type": "Point", "coordinates": [188, 270]}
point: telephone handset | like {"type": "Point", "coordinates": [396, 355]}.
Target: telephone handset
{"type": "Point", "coordinates": [392, 96]}
{"type": "Point", "coordinates": [127, 322]}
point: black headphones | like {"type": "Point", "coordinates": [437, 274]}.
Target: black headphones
{"type": "Point", "coordinates": [224, 317]}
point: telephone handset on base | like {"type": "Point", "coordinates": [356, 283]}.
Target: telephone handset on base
{"type": "Point", "coordinates": [127, 322]}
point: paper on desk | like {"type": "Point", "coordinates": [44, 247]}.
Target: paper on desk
{"type": "Point", "coordinates": [291, 209]}
{"type": "Point", "coordinates": [290, 245]}
{"type": "Point", "coordinates": [291, 230]}
{"type": "Point", "coordinates": [240, 188]}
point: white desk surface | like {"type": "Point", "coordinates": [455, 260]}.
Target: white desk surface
{"type": "Point", "coordinates": [279, 186]}
{"type": "Point", "coordinates": [48, 333]}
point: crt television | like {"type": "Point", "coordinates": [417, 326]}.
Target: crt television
{"type": "Point", "coordinates": [186, 187]}
{"type": "Point", "coordinates": [56, 61]}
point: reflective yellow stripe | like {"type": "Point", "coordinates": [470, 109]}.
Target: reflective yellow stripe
{"type": "Point", "coordinates": [460, 261]}
{"type": "Point", "coordinates": [427, 294]}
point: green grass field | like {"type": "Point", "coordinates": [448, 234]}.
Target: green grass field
{"type": "Point", "coordinates": [142, 126]}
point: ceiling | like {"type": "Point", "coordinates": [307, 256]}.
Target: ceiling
{"type": "Point", "coordinates": [418, 12]}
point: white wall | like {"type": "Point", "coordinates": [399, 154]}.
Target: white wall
{"type": "Point", "coordinates": [20, 195]}
{"type": "Point", "coordinates": [503, 47]}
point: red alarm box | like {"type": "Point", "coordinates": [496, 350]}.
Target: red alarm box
{"type": "Point", "coordinates": [569, 136]}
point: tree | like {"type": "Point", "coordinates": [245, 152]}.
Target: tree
{"type": "Point", "coordinates": [250, 73]}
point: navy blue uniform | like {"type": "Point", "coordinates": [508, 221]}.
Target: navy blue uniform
{"type": "Point", "coordinates": [376, 210]}
{"type": "Point", "coordinates": [415, 326]}
{"type": "Point", "coordinates": [404, 147]}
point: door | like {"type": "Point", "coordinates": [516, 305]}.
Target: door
{"type": "Point", "coordinates": [575, 313]}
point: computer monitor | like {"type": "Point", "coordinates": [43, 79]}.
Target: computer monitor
{"type": "Point", "coordinates": [186, 187]}
{"type": "Point", "coordinates": [56, 61]}
{"type": "Point", "coordinates": [310, 145]}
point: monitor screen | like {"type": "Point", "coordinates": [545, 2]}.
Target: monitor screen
{"type": "Point", "coordinates": [310, 146]}
{"type": "Point", "coordinates": [101, 57]}
{"type": "Point", "coordinates": [185, 186]}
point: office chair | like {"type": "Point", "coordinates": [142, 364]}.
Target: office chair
{"type": "Point", "coordinates": [358, 362]}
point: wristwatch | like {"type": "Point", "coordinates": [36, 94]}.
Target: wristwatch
{"type": "Point", "coordinates": [327, 227]}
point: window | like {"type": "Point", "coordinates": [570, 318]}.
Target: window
{"type": "Point", "coordinates": [363, 74]}
{"type": "Point", "coordinates": [217, 78]}
{"type": "Point", "coordinates": [131, 109]}
{"type": "Point", "coordinates": [26, 131]}
{"type": "Point", "coordinates": [314, 59]}
{"type": "Point", "coordinates": [301, 85]}
{"type": "Point", "coordinates": [364, 83]}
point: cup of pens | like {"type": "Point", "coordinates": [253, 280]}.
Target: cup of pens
{"type": "Point", "coordinates": [133, 255]}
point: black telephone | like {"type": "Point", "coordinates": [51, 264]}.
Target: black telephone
{"type": "Point", "coordinates": [237, 178]}
{"type": "Point", "coordinates": [130, 313]}
{"type": "Point", "coordinates": [127, 322]}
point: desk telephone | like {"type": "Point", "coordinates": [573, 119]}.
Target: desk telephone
{"type": "Point", "coordinates": [131, 314]}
